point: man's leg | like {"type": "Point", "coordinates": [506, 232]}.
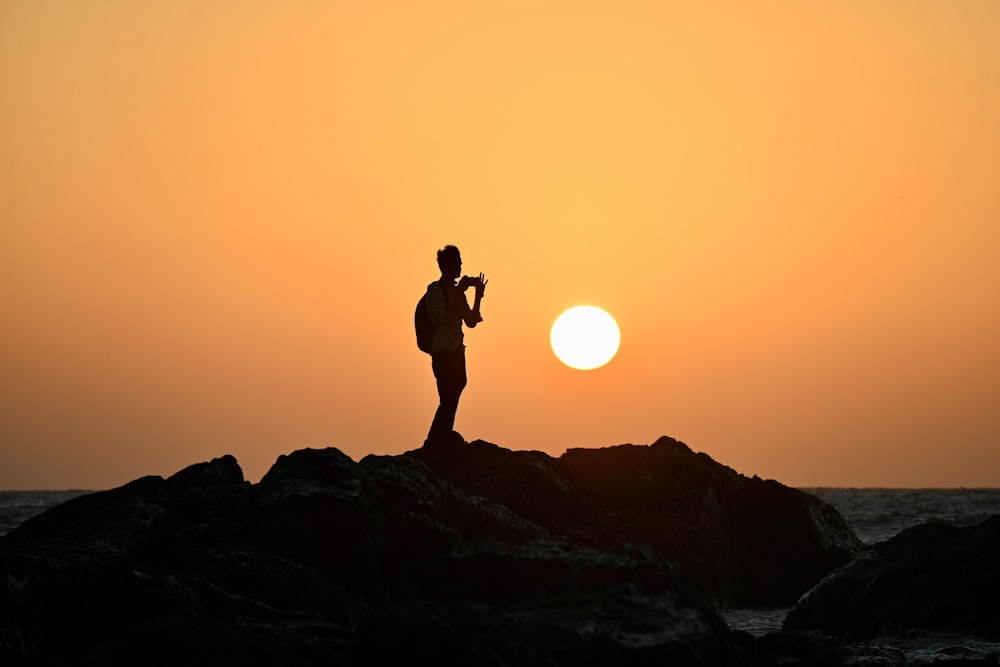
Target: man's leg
{"type": "Point", "coordinates": [449, 371]}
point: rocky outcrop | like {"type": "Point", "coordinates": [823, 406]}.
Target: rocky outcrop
{"type": "Point", "coordinates": [932, 577]}
{"type": "Point", "coordinates": [362, 522]}
{"type": "Point", "coordinates": [743, 541]}
{"type": "Point", "coordinates": [747, 541]}
{"type": "Point", "coordinates": [533, 484]}
{"type": "Point", "coordinates": [477, 556]}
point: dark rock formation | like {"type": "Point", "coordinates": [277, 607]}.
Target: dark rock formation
{"type": "Point", "coordinates": [532, 484]}
{"type": "Point", "coordinates": [547, 602]}
{"type": "Point", "coordinates": [748, 541]}
{"type": "Point", "coordinates": [159, 572]}
{"type": "Point", "coordinates": [932, 577]}
{"type": "Point", "coordinates": [361, 522]}
{"type": "Point", "coordinates": [478, 556]}
{"type": "Point", "coordinates": [745, 541]}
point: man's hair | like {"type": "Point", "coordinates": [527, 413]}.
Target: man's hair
{"type": "Point", "coordinates": [449, 252]}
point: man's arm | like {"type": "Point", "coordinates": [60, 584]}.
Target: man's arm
{"type": "Point", "coordinates": [473, 316]}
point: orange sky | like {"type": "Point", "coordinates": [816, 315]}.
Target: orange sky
{"type": "Point", "coordinates": [215, 219]}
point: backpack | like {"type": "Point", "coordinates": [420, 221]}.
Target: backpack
{"type": "Point", "coordinates": [424, 325]}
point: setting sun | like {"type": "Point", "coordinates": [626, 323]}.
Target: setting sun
{"type": "Point", "coordinates": [585, 337]}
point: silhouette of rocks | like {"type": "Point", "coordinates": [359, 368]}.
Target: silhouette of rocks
{"type": "Point", "coordinates": [931, 577]}
{"type": "Point", "coordinates": [532, 484]}
{"type": "Point", "coordinates": [550, 602]}
{"type": "Point", "coordinates": [155, 572]}
{"type": "Point", "coordinates": [359, 521]}
{"type": "Point", "coordinates": [474, 556]}
{"type": "Point", "coordinates": [747, 541]}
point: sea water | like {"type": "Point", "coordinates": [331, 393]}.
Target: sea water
{"type": "Point", "coordinates": [878, 514]}
{"type": "Point", "coordinates": [874, 514]}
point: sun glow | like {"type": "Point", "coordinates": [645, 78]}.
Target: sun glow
{"type": "Point", "coordinates": [585, 337]}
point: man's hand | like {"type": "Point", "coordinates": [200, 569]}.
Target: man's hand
{"type": "Point", "coordinates": [480, 286]}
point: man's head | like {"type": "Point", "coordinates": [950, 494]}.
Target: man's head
{"type": "Point", "coordinates": [450, 262]}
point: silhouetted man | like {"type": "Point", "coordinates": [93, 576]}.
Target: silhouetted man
{"type": "Point", "coordinates": [448, 309]}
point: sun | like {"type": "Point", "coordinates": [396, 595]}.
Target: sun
{"type": "Point", "coordinates": [585, 337]}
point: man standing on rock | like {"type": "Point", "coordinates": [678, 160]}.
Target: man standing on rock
{"type": "Point", "coordinates": [448, 309]}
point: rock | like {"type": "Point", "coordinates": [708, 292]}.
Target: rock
{"type": "Point", "coordinates": [548, 602]}
{"type": "Point", "coordinates": [141, 520]}
{"type": "Point", "coordinates": [319, 508]}
{"type": "Point", "coordinates": [931, 577]}
{"type": "Point", "coordinates": [360, 522]}
{"type": "Point", "coordinates": [427, 516]}
{"type": "Point", "coordinates": [160, 572]}
{"type": "Point", "coordinates": [489, 572]}
{"type": "Point", "coordinates": [96, 529]}
{"type": "Point", "coordinates": [278, 582]}
{"type": "Point", "coordinates": [591, 631]}
{"type": "Point", "coordinates": [789, 649]}
{"type": "Point", "coordinates": [473, 554]}
{"type": "Point", "coordinates": [785, 540]}
{"type": "Point", "coordinates": [532, 484]}
{"type": "Point", "coordinates": [166, 620]}
{"type": "Point", "coordinates": [211, 493]}
{"type": "Point", "coordinates": [745, 541]}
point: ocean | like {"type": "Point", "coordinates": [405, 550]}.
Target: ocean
{"type": "Point", "coordinates": [875, 514]}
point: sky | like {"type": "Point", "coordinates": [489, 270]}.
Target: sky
{"type": "Point", "coordinates": [216, 219]}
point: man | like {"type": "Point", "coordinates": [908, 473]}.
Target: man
{"type": "Point", "coordinates": [448, 309]}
